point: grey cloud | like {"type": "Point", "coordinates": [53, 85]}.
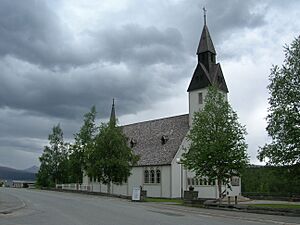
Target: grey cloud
{"type": "Point", "coordinates": [32, 32]}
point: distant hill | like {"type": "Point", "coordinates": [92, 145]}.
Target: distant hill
{"type": "Point", "coordinates": [7, 173]}
{"type": "Point", "coordinates": [33, 169]}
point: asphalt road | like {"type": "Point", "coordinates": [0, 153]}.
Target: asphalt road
{"type": "Point", "coordinates": [55, 208]}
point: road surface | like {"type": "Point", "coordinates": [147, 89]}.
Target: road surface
{"type": "Point", "coordinates": [56, 208]}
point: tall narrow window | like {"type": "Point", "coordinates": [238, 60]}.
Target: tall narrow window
{"type": "Point", "coordinates": [200, 98]}
{"type": "Point", "coordinates": [152, 176]}
{"type": "Point", "coordinates": [158, 176]}
{"type": "Point", "coordinates": [146, 176]}
{"type": "Point", "coordinates": [189, 181]}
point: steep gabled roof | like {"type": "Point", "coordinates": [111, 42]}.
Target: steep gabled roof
{"type": "Point", "coordinates": [200, 78]}
{"type": "Point", "coordinates": [218, 79]}
{"type": "Point", "coordinates": [147, 138]}
{"type": "Point", "coordinates": [205, 43]}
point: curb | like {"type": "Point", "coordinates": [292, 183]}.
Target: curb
{"type": "Point", "coordinates": [258, 210]}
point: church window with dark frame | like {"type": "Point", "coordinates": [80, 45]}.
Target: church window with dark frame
{"type": "Point", "coordinates": [152, 176]}
{"type": "Point", "coordinates": [158, 176]}
{"type": "Point", "coordinates": [200, 98]}
{"type": "Point", "coordinates": [146, 176]}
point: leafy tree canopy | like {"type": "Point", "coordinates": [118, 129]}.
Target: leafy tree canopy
{"type": "Point", "coordinates": [111, 159]}
{"type": "Point", "coordinates": [217, 141]}
{"type": "Point", "coordinates": [53, 167]}
{"type": "Point", "coordinates": [84, 140]}
{"type": "Point", "coordinates": [284, 111]}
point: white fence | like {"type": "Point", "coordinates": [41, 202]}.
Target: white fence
{"type": "Point", "coordinates": [78, 187]}
{"type": "Point", "coordinates": [83, 187]}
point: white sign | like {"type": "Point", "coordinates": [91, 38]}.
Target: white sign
{"type": "Point", "coordinates": [136, 194]}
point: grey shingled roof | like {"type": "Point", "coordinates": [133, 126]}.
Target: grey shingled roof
{"type": "Point", "coordinates": [148, 136]}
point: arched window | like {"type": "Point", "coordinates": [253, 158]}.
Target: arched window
{"type": "Point", "coordinates": [146, 176]}
{"type": "Point", "coordinates": [158, 176]}
{"type": "Point", "coordinates": [200, 181]}
{"type": "Point", "coordinates": [152, 176]}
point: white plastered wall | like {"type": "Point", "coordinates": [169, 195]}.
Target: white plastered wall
{"type": "Point", "coordinates": [136, 179]}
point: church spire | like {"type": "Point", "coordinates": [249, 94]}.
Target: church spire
{"type": "Point", "coordinates": [204, 14]}
{"type": "Point", "coordinates": [112, 119]}
{"type": "Point", "coordinates": [205, 43]}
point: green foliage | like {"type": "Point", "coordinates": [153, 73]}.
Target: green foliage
{"type": "Point", "coordinates": [284, 112]}
{"type": "Point", "coordinates": [111, 159]}
{"type": "Point", "coordinates": [54, 162]}
{"type": "Point", "coordinates": [84, 140]}
{"type": "Point", "coordinates": [218, 148]}
{"type": "Point", "coordinates": [282, 181]}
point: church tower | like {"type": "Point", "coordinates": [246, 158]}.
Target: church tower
{"type": "Point", "coordinates": [207, 73]}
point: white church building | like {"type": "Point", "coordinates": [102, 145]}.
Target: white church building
{"type": "Point", "coordinates": [161, 142]}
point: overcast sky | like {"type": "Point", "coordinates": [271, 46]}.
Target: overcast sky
{"type": "Point", "coordinates": [60, 57]}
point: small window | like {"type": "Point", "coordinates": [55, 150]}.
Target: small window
{"type": "Point", "coordinates": [164, 139]}
{"type": "Point", "coordinates": [212, 57]}
{"type": "Point", "coordinates": [214, 182]}
{"type": "Point", "coordinates": [152, 176]}
{"type": "Point", "coordinates": [158, 176]}
{"type": "Point", "coordinates": [197, 182]}
{"type": "Point", "coordinates": [200, 182]}
{"type": "Point", "coordinates": [200, 98]}
{"type": "Point", "coordinates": [133, 142]}
{"type": "Point", "coordinates": [91, 179]}
{"type": "Point", "coordinates": [193, 181]}
{"type": "Point", "coordinates": [95, 179]}
{"type": "Point", "coordinates": [146, 176]}
{"type": "Point", "coordinates": [204, 181]}
{"type": "Point", "coordinates": [189, 181]}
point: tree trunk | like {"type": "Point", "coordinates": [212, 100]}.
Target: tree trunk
{"type": "Point", "coordinates": [108, 187]}
{"type": "Point", "coordinates": [220, 190]}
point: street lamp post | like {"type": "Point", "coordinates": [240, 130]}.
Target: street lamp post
{"type": "Point", "coordinates": [178, 161]}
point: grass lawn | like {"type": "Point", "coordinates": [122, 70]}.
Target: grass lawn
{"type": "Point", "coordinates": [171, 200]}
{"type": "Point", "coordinates": [277, 206]}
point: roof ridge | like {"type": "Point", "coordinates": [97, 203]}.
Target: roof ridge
{"type": "Point", "coordinates": [152, 120]}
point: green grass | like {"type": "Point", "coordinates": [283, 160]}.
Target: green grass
{"type": "Point", "coordinates": [277, 206]}
{"type": "Point", "coordinates": [171, 200]}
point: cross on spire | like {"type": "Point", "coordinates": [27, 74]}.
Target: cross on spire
{"type": "Point", "coordinates": [204, 14]}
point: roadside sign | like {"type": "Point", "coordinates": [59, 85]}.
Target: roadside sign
{"type": "Point", "coordinates": [136, 194]}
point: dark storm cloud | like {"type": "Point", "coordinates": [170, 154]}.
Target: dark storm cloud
{"type": "Point", "coordinates": [31, 32]}
{"type": "Point", "coordinates": [133, 43]}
